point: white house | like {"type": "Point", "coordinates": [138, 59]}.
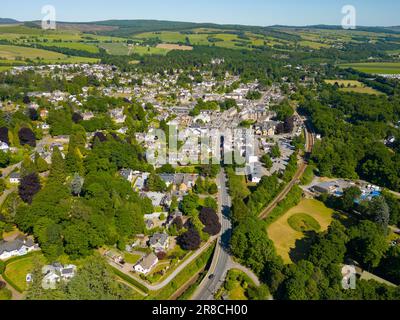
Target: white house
{"type": "Point", "coordinates": [18, 247]}
{"type": "Point", "coordinates": [15, 178]}
{"type": "Point", "coordinates": [159, 242]}
{"type": "Point", "coordinates": [146, 264]}
{"type": "Point", "coordinates": [55, 273]}
{"type": "Point", "coordinates": [4, 147]}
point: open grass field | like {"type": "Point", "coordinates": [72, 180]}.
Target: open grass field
{"type": "Point", "coordinates": [224, 40]}
{"type": "Point", "coordinates": [122, 49]}
{"type": "Point", "coordinates": [313, 44]}
{"type": "Point", "coordinates": [16, 53]}
{"type": "Point", "coordinates": [354, 86]}
{"type": "Point", "coordinates": [285, 237]}
{"type": "Point", "coordinates": [17, 270]}
{"type": "Point", "coordinates": [375, 67]}
{"type": "Point", "coordinates": [73, 45]}
{"type": "Point", "coordinates": [169, 46]}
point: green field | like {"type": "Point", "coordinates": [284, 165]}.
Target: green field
{"type": "Point", "coordinates": [16, 53]}
{"type": "Point", "coordinates": [353, 86]}
{"type": "Point", "coordinates": [285, 237]}
{"type": "Point", "coordinates": [122, 49]}
{"type": "Point", "coordinates": [302, 222]}
{"type": "Point", "coordinates": [375, 67]}
{"type": "Point", "coordinates": [131, 258]}
{"type": "Point", "coordinates": [72, 45]}
{"type": "Point", "coordinates": [16, 271]}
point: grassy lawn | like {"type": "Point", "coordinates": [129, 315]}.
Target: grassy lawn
{"type": "Point", "coordinates": [375, 67]}
{"type": "Point", "coordinates": [132, 258]}
{"type": "Point", "coordinates": [5, 294]}
{"type": "Point", "coordinates": [236, 285]}
{"type": "Point", "coordinates": [16, 271]}
{"type": "Point", "coordinates": [285, 237]}
{"type": "Point", "coordinates": [303, 222]}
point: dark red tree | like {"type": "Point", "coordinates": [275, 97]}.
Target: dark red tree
{"type": "Point", "coordinates": [27, 137]}
{"type": "Point", "coordinates": [28, 187]}
{"type": "Point", "coordinates": [4, 135]}
{"type": "Point", "coordinates": [210, 219]}
{"type": "Point", "coordinates": [190, 240]}
{"type": "Point", "coordinates": [77, 117]}
{"type": "Point", "coordinates": [33, 114]}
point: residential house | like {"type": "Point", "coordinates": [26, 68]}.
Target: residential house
{"type": "Point", "coordinates": [256, 173]}
{"type": "Point", "coordinates": [18, 247]}
{"type": "Point", "coordinates": [55, 273]}
{"type": "Point", "coordinates": [155, 197]}
{"type": "Point", "coordinates": [87, 116]}
{"type": "Point", "coordinates": [140, 181]}
{"type": "Point", "coordinates": [146, 264]}
{"type": "Point", "coordinates": [159, 242]}
{"type": "Point", "coordinates": [127, 174]}
{"type": "Point", "coordinates": [4, 147]}
{"type": "Point", "coordinates": [15, 178]}
{"type": "Point", "coordinates": [118, 115]}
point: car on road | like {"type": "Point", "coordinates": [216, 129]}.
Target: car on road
{"type": "Point", "coordinates": [211, 276]}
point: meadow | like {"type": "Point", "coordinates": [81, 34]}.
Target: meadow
{"type": "Point", "coordinates": [353, 86]}
{"type": "Point", "coordinates": [307, 212]}
{"type": "Point", "coordinates": [16, 54]}
{"type": "Point", "coordinates": [375, 67]}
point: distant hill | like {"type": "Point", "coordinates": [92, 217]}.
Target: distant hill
{"type": "Point", "coordinates": [8, 21]}
{"type": "Point", "coordinates": [377, 29]}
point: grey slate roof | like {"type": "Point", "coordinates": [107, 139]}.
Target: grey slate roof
{"type": "Point", "coordinates": [17, 244]}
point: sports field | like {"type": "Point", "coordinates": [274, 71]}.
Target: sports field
{"type": "Point", "coordinates": [284, 236]}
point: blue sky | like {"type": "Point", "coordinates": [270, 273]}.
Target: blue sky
{"type": "Point", "coordinates": [250, 12]}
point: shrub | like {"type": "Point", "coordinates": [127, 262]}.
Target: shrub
{"type": "Point", "coordinates": [2, 267]}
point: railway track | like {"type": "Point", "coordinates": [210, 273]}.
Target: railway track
{"type": "Point", "coordinates": [310, 140]}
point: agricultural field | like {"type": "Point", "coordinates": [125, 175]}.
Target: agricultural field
{"type": "Point", "coordinates": [122, 49]}
{"type": "Point", "coordinates": [313, 44]}
{"type": "Point", "coordinates": [353, 86]}
{"type": "Point", "coordinates": [73, 45]}
{"type": "Point", "coordinates": [375, 67]}
{"type": "Point", "coordinates": [224, 40]}
{"type": "Point", "coordinates": [16, 55]}
{"type": "Point", "coordinates": [169, 46]}
{"type": "Point", "coordinates": [308, 215]}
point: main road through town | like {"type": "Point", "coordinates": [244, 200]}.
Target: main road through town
{"type": "Point", "coordinates": [222, 259]}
